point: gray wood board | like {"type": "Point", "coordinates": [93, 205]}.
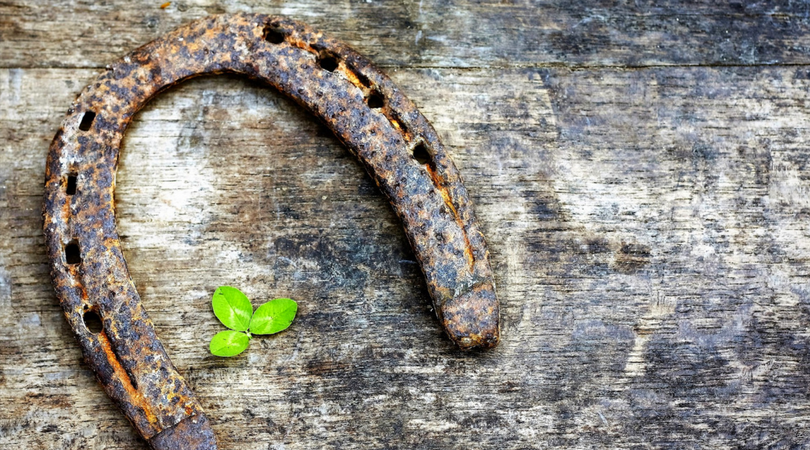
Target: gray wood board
{"type": "Point", "coordinates": [445, 33]}
{"type": "Point", "coordinates": [648, 230]}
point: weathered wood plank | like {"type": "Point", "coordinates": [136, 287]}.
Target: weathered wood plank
{"type": "Point", "coordinates": [649, 237]}
{"type": "Point", "coordinates": [447, 33]}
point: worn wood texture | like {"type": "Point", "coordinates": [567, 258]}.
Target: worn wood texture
{"type": "Point", "coordinates": [439, 33]}
{"type": "Point", "coordinates": [647, 211]}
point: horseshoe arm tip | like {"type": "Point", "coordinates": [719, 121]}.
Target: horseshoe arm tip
{"type": "Point", "coordinates": [472, 319]}
{"type": "Point", "coordinates": [192, 433]}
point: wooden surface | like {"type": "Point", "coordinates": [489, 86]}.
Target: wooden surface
{"type": "Point", "coordinates": [641, 171]}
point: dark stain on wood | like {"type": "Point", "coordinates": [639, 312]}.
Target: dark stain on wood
{"type": "Point", "coordinates": [632, 257]}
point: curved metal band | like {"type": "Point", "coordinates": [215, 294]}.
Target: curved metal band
{"type": "Point", "coordinates": [363, 108]}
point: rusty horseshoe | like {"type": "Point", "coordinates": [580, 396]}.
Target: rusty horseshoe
{"type": "Point", "coordinates": [371, 117]}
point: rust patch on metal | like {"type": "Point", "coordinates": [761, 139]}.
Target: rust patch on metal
{"type": "Point", "coordinates": [354, 99]}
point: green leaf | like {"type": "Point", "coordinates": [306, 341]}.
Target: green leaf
{"type": "Point", "coordinates": [232, 308]}
{"type": "Point", "coordinates": [229, 343]}
{"type": "Point", "coordinates": [273, 316]}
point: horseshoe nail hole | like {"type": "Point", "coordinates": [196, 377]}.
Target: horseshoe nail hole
{"type": "Point", "coordinates": [73, 255]}
{"type": "Point", "coordinates": [421, 154]}
{"type": "Point", "coordinates": [87, 120]}
{"type": "Point", "coordinates": [393, 117]}
{"type": "Point", "coordinates": [273, 35]}
{"type": "Point", "coordinates": [328, 62]}
{"type": "Point", "coordinates": [132, 381]}
{"type": "Point", "coordinates": [375, 100]}
{"type": "Point", "coordinates": [71, 184]}
{"type": "Point", "coordinates": [92, 321]}
{"type": "Point", "coordinates": [399, 126]}
{"type": "Point", "coordinates": [362, 78]}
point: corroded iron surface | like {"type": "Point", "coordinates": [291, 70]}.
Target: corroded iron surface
{"type": "Point", "coordinates": [395, 143]}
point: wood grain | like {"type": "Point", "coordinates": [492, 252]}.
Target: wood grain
{"type": "Point", "coordinates": [648, 229]}
{"type": "Point", "coordinates": [438, 33]}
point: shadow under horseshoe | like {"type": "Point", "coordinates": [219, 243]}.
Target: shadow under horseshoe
{"type": "Point", "coordinates": [394, 142]}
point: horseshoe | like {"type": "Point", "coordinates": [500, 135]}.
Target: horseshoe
{"type": "Point", "coordinates": [369, 115]}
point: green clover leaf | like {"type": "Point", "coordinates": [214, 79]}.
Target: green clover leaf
{"type": "Point", "coordinates": [232, 308]}
{"type": "Point", "coordinates": [229, 343]}
{"type": "Point", "coordinates": [273, 316]}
